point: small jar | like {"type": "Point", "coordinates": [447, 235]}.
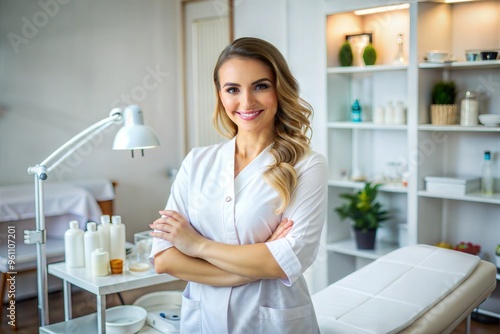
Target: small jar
{"type": "Point", "coordinates": [399, 113]}
{"type": "Point", "coordinates": [100, 262]}
{"type": "Point", "coordinates": [389, 113]}
{"type": "Point", "coordinates": [378, 115]}
{"type": "Point", "coordinates": [469, 111]}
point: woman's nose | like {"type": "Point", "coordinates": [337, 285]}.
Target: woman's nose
{"type": "Point", "coordinates": [248, 100]}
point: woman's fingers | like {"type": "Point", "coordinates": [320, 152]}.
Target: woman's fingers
{"type": "Point", "coordinates": [172, 214]}
{"type": "Point", "coordinates": [174, 227]}
{"type": "Point", "coordinates": [285, 225]}
{"type": "Point", "coordinates": [165, 224]}
{"type": "Point", "coordinates": [169, 217]}
{"type": "Point", "coordinates": [282, 230]}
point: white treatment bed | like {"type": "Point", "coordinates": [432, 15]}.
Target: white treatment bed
{"type": "Point", "coordinates": [414, 289]}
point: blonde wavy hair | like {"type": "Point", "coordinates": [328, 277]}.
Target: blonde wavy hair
{"type": "Point", "coordinates": [291, 124]}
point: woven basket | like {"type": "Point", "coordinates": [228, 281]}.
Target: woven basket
{"type": "Point", "coordinates": [444, 114]}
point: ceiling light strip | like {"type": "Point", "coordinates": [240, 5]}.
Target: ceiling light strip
{"type": "Point", "coordinates": [381, 9]}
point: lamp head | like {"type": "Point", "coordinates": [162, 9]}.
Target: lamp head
{"type": "Point", "coordinates": [134, 135]}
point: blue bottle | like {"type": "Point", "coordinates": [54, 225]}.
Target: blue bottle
{"type": "Point", "coordinates": [356, 112]}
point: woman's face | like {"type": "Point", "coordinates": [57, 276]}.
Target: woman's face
{"type": "Point", "coordinates": [248, 94]}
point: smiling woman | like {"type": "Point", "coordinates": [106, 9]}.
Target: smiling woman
{"type": "Point", "coordinates": [244, 218]}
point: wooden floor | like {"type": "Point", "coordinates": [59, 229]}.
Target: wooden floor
{"type": "Point", "coordinates": [84, 303]}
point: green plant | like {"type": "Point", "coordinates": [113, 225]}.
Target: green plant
{"type": "Point", "coordinates": [345, 54]}
{"type": "Point", "coordinates": [444, 92]}
{"type": "Point", "coordinates": [369, 55]}
{"type": "Point", "coordinates": [362, 208]}
{"type": "Point", "coordinates": [497, 251]}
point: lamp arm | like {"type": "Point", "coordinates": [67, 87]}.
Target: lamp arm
{"type": "Point", "coordinates": [77, 139]}
{"type": "Point", "coordinates": [76, 145]}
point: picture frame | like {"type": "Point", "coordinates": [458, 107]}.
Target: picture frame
{"type": "Point", "coordinates": [363, 38]}
{"type": "Point", "coordinates": [358, 43]}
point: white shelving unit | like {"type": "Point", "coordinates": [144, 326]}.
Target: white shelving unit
{"type": "Point", "coordinates": [426, 149]}
{"type": "Point", "coordinates": [363, 145]}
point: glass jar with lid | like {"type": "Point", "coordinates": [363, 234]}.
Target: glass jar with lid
{"type": "Point", "coordinates": [469, 110]}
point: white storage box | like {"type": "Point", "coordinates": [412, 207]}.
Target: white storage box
{"type": "Point", "coordinates": [454, 185]}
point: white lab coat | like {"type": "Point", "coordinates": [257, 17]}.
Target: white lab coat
{"type": "Point", "coordinates": [241, 211]}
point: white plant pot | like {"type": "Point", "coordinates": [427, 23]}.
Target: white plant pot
{"type": "Point", "coordinates": [497, 260]}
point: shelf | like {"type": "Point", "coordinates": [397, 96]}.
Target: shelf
{"type": "Point", "coordinates": [359, 185]}
{"type": "Point", "coordinates": [458, 128]}
{"type": "Point", "coordinates": [365, 126]}
{"type": "Point", "coordinates": [84, 324]}
{"type": "Point", "coordinates": [469, 197]}
{"type": "Point", "coordinates": [104, 285]}
{"type": "Point", "coordinates": [365, 69]}
{"type": "Point", "coordinates": [348, 247]}
{"type": "Point", "coordinates": [486, 64]}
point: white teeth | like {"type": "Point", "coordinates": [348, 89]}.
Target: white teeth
{"type": "Point", "coordinates": [250, 114]}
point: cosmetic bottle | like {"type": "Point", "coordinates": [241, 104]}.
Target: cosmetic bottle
{"type": "Point", "coordinates": [487, 175]}
{"type": "Point", "coordinates": [103, 229]}
{"type": "Point", "coordinates": [73, 246]}
{"type": "Point", "coordinates": [91, 242]}
{"type": "Point", "coordinates": [356, 112]}
{"type": "Point", "coordinates": [117, 238]}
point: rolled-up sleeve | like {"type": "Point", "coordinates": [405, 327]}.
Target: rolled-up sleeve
{"type": "Point", "coordinates": [307, 209]}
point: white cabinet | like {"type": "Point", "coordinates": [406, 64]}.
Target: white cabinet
{"type": "Point", "coordinates": [425, 149]}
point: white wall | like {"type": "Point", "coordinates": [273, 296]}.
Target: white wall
{"type": "Point", "coordinates": [64, 64]}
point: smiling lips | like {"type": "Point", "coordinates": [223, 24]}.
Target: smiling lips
{"type": "Point", "coordinates": [249, 115]}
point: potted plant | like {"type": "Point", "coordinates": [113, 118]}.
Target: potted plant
{"type": "Point", "coordinates": [443, 107]}
{"type": "Point", "coordinates": [497, 256]}
{"type": "Point", "coordinates": [364, 213]}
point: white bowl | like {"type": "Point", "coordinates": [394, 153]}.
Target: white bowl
{"type": "Point", "coordinates": [161, 300]}
{"type": "Point", "coordinates": [489, 119]}
{"type": "Point", "coordinates": [125, 319]}
{"type": "Point", "coordinates": [437, 55]}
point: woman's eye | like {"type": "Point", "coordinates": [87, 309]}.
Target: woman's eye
{"type": "Point", "coordinates": [261, 86]}
{"type": "Point", "coordinates": [232, 90]}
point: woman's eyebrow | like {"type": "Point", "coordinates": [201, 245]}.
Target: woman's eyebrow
{"type": "Point", "coordinates": [261, 80]}
{"type": "Point", "coordinates": [233, 84]}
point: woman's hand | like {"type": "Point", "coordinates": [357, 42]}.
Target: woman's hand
{"type": "Point", "coordinates": [282, 230]}
{"type": "Point", "coordinates": [172, 226]}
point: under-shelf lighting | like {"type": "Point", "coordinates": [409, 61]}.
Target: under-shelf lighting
{"type": "Point", "coordinates": [453, 1]}
{"type": "Point", "coordinates": [381, 9]}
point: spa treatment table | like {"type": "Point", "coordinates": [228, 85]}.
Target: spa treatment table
{"type": "Point", "coordinates": [414, 289]}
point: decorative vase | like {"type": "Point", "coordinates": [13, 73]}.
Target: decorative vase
{"type": "Point", "coordinates": [369, 55]}
{"type": "Point", "coordinates": [497, 259]}
{"type": "Point", "coordinates": [345, 54]}
{"type": "Point", "coordinates": [444, 114]}
{"type": "Point", "coordinates": [365, 240]}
